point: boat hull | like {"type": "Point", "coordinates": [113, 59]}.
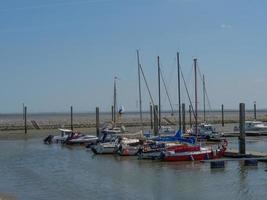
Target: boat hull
{"type": "Point", "coordinates": [104, 148]}
{"type": "Point", "coordinates": [128, 151]}
{"type": "Point", "coordinates": [193, 156]}
{"type": "Point", "coordinates": [81, 141]}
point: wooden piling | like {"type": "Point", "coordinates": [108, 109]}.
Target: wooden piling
{"type": "Point", "coordinates": [71, 118]}
{"type": "Point", "coordinates": [112, 113]}
{"type": "Point", "coordinates": [151, 116]}
{"type": "Point", "coordinates": [23, 107]}
{"type": "Point", "coordinates": [156, 120]}
{"type": "Point", "coordinates": [252, 162]}
{"type": "Point", "coordinates": [183, 116]}
{"type": "Point", "coordinates": [97, 121]}
{"type": "Point", "coordinates": [242, 136]}
{"type": "Point", "coordinates": [190, 116]}
{"type": "Point", "coordinates": [255, 111]}
{"type": "Point", "coordinates": [25, 119]}
{"type": "Point", "coordinates": [222, 115]}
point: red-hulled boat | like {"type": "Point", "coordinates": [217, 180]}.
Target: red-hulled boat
{"type": "Point", "coordinates": [201, 154]}
{"type": "Point", "coordinates": [154, 150]}
{"type": "Point", "coordinates": [183, 148]}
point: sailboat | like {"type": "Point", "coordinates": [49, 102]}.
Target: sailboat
{"type": "Point", "coordinates": [115, 139]}
{"type": "Point", "coordinates": [205, 130]}
{"type": "Point", "coordinates": [111, 128]}
{"type": "Point", "coordinates": [157, 146]}
{"type": "Point", "coordinates": [203, 153]}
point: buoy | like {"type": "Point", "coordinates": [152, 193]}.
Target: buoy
{"type": "Point", "coordinates": [217, 164]}
{"type": "Point", "coordinates": [251, 163]}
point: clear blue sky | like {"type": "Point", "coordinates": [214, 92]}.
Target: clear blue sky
{"type": "Point", "coordinates": [57, 53]}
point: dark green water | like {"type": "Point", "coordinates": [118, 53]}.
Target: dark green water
{"type": "Point", "coordinates": [31, 170]}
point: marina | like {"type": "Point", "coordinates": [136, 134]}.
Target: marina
{"type": "Point", "coordinates": [133, 100]}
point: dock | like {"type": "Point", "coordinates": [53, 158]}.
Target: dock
{"type": "Point", "coordinates": [248, 133]}
{"type": "Point", "coordinates": [233, 153]}
{"type": "Point", "coordinates": [260, 159]}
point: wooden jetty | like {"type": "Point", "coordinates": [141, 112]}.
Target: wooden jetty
{"type": "Point", "coordinates": [260, 159]}
{"type": "Point", "coordinates": [248, 133]}
{"type": "Point", "coordinates": [233, 153]}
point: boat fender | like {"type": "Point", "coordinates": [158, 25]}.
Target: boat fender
{"type": "Point", "coordinates": [48, 139]}
{"type": "Point", "coordinates": [145, 149]}
{"type": "Point", "coordinates": [162, 155]}
{"type": "Point", "coordinates": [225, 143]}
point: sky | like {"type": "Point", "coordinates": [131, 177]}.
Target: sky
{"type": "Point", "coordinates": [58, 53]}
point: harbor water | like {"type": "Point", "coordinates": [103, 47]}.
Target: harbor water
{"type": "Point", "coordinates": [31, 170]}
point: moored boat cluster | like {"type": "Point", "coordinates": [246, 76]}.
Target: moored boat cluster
{"type": "Point", "coordinates": [165, 147]}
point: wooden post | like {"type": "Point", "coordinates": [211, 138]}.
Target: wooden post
{"type": "Point", "coordinates": [242, 136]}
{"type": "Point", "coordinates": [97, 121]}
{"type": "Point", "coordinates": [255, 111]}
{"type": "Point", "coordinates": [23, 107]}
{"type": "Point", "coordinates": [183, 114]}
{"type": "Point", "coordinates": [25, 119]}
{"type": "Point", "coordinates": [112, 113]}
{"type": "Point", "coordinates": [156, 120]}
{"type": "Point", "coordinates": [71, 118]}
{"type": "Point", "coordinates": [222, 115]}
{"type": "Point", "coordinates": [151, 116]}
{"type": "Point", "coordinates": [190, 116]}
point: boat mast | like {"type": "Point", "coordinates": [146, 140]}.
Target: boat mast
{"type": "Point", "coordinates": [195, 69]}
{"type": "Point", "coordinates": [139, 86]}
{"type": "Point", "coordinates": [159, 92]}
{"type": "Point", "coordinates": [179, 90]}
{"type": "Point", "coordinates": [115, 100]}
{"type": "Point", "coordinates": [204, 100]}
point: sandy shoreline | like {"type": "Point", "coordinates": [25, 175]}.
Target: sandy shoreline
{"type": "Point", "coordinates": [12, 126]}
{"type": "Point", "coordinates": [18, 126]}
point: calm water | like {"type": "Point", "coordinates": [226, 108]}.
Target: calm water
{"type": "Point", "coordinates": [31, 170]}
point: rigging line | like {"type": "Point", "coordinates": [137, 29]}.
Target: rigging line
{"type": "Point", "coordinates": [151, 98]}
{"type": "Point", "coordinates": [171, 73]}
{"type": "Point", "coordinates": [167, 93]}
{"type": "Point", "coordinates": [188, 93]}
{"type": "Point", "coordinates": [189, 78]}
{"type": "Point", "coordinates": [205, 89]}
